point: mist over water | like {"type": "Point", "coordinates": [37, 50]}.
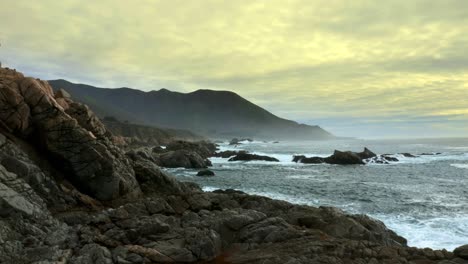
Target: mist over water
{"type": "Point", "coordinates": [424, 199]}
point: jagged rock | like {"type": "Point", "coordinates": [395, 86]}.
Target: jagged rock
{"type": "Point", "coordinates": [152, 179]}
{"type": "Point", "coordinates": [93, 165]}
{"type": "Point", "coordinates": [366, 154]}
{"type": "Point", "coordinates": [244, 156]}
{"type": "Point", "coordinates": [205, 173]}
{"type": "Point", "coordinates": [86, 119]}
{"type": "Point", "coordinates": [338, 157]}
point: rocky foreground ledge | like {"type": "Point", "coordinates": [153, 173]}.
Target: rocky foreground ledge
{"type": "Point", "coordinates": [68, 194]}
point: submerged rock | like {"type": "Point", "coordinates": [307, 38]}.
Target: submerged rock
{"type": "Point", "coordinates": [206, 173]}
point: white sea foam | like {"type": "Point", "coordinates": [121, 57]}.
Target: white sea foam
{"type": "Point", "coordinates": [437, 233]}
{"type": "Point", "coordinates": [421, 159]}
{"type": "Point", "coordinates": [460, 166]}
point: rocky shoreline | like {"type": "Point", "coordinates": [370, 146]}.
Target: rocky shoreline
{"type": "Point", "coordinates": [70, 194]}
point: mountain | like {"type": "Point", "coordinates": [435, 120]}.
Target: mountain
{"type": "Point", "coordinates": [219, 114]}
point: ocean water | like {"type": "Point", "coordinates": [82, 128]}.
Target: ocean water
{"type": "Point", "coordinates": [424, 199]}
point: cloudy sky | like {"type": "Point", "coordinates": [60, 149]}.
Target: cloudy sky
{"type": "Point", "coordinates": [358, 68]}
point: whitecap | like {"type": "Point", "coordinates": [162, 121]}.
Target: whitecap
{"type": "Point", "coordinates": [460, 166]}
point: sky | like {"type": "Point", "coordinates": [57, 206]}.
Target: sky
{"type": "Point", "coordinates": [357, 68]}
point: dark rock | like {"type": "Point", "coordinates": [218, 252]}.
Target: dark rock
{"type": "Point", "coordinates": [430, 154]}
{"type": "Point", "coordinates": [382, 159]}
{"type": "Point", "coordinates": [344, 158]}
{"type": "Point", "coordinates": [203, 148]}
{"type": "Point", "coordinates": [249, 157]}
{"type": "Point", "coordinates": [408, 155]}
{"type": "Point", "coordinates": [298, 158]}
{"type": "Point", "coordinates": [44, 218]}
{"type": "Point", "coordinates": [338, 157]}
{"type": "Point", "coordinates": [311, 160]}
{"type": "Point", "coordinates": [206, 173]}
{"type": "Point", "coordinates": [461, 252]}
{"type": "Point", "coordinates": [227, 154]}
{"type": "Point", "coordinates": [366, 154]}
{"type": "Point", "coordinates": [70, 133]}
{"type": "Point", "coordinates": [182, 159]}
{"type": "Point", "coordinates": [152, 179]}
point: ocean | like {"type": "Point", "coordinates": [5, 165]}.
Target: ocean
{"type": "Point", "coordinates": [424, 199]}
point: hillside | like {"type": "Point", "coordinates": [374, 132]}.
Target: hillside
{"type": "Point", "coordinates": [139, 135]}
{"type": "Point", "coordinates": [219, 114]}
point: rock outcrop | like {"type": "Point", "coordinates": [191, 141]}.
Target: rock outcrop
{"type": "Point", "coordinates": [69, 132]}
{"type": "Point", "coordinates": [244, 156]}
{"type": "Point", "coordinates": [59, 202]}
{"type": "Point", "coordinates": [339, 157]}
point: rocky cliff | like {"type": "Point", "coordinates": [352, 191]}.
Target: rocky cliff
{"type": "Point", "coordinates": [68, 194]}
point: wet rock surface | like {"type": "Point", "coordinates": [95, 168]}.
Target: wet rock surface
{"type": "Point", "coordinates": [205, 173]}
{"type": "Point", "coordinates": [353, 158]}
{"type": "Point", "coordinates": [45, 216]}
{"type": "Point", "coordinates": [244, 156]}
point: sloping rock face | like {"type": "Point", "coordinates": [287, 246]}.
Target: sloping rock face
{"type": "Point", "coordinates": [44, 219]}
{"type": "Point", "coordinates": [69, 132]}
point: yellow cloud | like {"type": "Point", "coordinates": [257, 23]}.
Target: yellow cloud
{"type": "Point", "coordinates": [299, 58]}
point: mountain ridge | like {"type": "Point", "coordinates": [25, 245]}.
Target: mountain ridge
{"type": "Point", "coordinates": [217, 114]}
